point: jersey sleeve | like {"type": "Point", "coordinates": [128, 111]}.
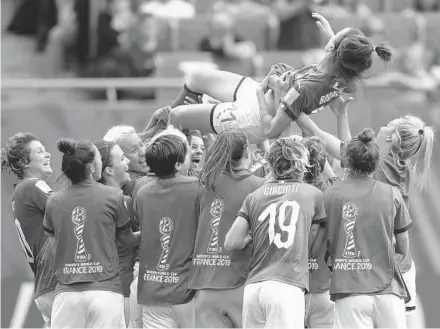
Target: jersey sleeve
{"type": "Point", "coordinates": [245, 209]}
{"type": "Point", "coordinates": [295, 100]}
{"type": "Point", "coordinates": [402, 219]}
{"type": "Point", "coordinates": [39, 194]}
{"type": "Point", "coordinates": [47, 220]}
{"type": "Point", "coordinates": [319, 217]}
{"type": "Point", "coordinates": [123, 211]}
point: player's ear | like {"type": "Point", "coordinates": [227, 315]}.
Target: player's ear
{"type": "Point", "coordinates": [108, 171]}
{"type": "Point", "coordinates": [178, 166]}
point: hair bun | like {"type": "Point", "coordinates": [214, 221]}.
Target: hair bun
{"type": "Point", "coordinates": [66, 146]}
{"type": "Point", "coordinates": [366, 136]}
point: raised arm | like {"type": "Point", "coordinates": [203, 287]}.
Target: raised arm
{"type": "Point", "coordinates": [333, 144]}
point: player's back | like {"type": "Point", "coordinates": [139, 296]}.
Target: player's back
{"type": "Point", "coordinates": [28, 207]}
{"type": "Point", "coordinates": [168, 211]}
{"type": "Point", "coordinates": [280, 215]}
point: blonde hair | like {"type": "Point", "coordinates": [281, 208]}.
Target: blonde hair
{"type": "Point", "coordinates": [412, 143]}
{"type": "Point", "coordinates": [288, 159]}
{"type": "Point", "coordinates": [117, 133]}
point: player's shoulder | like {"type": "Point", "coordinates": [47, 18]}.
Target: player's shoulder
{"type": "Point", "coordinates": [32, 185]}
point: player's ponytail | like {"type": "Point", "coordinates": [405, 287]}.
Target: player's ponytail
{"type": "Point", "coordinates": [412, 143]}
{"type": "Point", "coordinates": [223, 156]}
{"type": "Point", "coordinates": [384, 52]}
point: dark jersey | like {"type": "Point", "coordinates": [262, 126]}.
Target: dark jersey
{"type": "Point", "coordinates": [311, 91]}
{"type": "Point", "coordinates": [168, 212]}
{"type": "Point", "coordinates": [363, 216]}
{"type": "Point", "coordinates": [280, 214]}
{"type": "Point", "coordinates": [213, 267]}
{"type": "Point", "coordinates": [84, 219]}
{"type": "Point", "coordinates": [318, 270]}
{"type": "Point", "coordinates": [28, 206]}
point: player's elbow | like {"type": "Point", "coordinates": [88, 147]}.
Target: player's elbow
{"type": "Point", "coordinates": [231, 244]}
{"type": "Point", "coordinates": [272, 134]}
{"type": "Point", "coordinates": [129, 239]}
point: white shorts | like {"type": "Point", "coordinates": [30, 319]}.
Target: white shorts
{"type": "Point", "coordinates": [88, 309]}
{"type": "Point", "coordinates": [370, 311]}
{"type": "Point", "coordinates": [410, 282]}
{"type": "Point", "coordinates": [273, 304]}
{"type": "Point", "coordinates": [320, 310]}
{"type": "Point", "coordinates": [169, 316]}
{"type": "Point", "coordinates": [242, 113]}
{"type": "Point", "coordinates": [44, 304]}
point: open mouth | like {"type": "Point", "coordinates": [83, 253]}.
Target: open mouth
{"type": "Point", "coordinates": [196, 160]}
{"type": "Point", "coordinates": [46, 164]}
{"type": "Point", "coordinates": [143, 163]}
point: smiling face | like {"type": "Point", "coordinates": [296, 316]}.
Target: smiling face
{"type": "Point", "coordinates": [119, 165]}
{"type": "Point", "coordinates": [39, 161]}
{"type": "Point", "coordinates": [134, 150]}
{"type": "Point", "coordinates": [197, 152]}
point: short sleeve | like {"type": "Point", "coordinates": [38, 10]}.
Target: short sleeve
{"type": "Point", "coordinates": [402, 219]}
{"type": "Point", "coordinates": [123, 211]}
{"type": "Point", "coordinates": [319, 216]}
{"type": "Point", "coordinates": [47, 220]}
{"type": "Point", "coordinates": [40, 193]}
{"type": "Point", "coordinates": [295, 100]}
{"type": "Point", "coordinates": [245, 209]}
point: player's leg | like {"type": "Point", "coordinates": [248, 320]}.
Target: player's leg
{"type": "Point", "coordinates": [104, 309]}
{"type": "Point", "coordinates": [135, 309]}
{"type": "Point", "coordinates": [127, 311]}
{"type": "Point", "coordinates": [208, 310]}
{"type": "Point", "coordinates": [158, 317]}
{"type": "Point", "coordinates": [196, 116]}
{"type": "Point", "coordinates": [354, 312]}
{"type": "Point", "coordinates": [283, 305]}
{"type": "Point", "coordinates": [185, 314]}
{"type": "Point", "coordinates": [389, 311]}
{"type": "Point", "coordinates": [68, 311]}
{"type": "Point", "coordinates": [44, 304]}
{"type": "Point", "coordinates": [322, 311]}
{"type": "Point", "coordinates": [253, 314]}
{"type": "Point", "coordinates": [233, 305]}
{"type": "Point", "coordinates": [410, 281]}
{"type": "Point", "coordinates": [220, 85]}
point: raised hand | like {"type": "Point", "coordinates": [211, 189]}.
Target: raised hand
{"type": "Point", "coordinates": [323, 25]}
{"type": "Point", "coordinates": [339, 105]}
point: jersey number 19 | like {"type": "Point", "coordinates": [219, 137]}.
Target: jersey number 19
{"type": "Point", "coordinates": [288, 211]}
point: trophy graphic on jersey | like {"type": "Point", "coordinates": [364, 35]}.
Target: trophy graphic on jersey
{"type": "Point", "coordinates": [165, 228]}
{"type": "Point", "coordinates": [79, 216]}
{"type": "Point", "coordinates": [216, 212]}
{"type": "Point", "coordinates": [349, 214]}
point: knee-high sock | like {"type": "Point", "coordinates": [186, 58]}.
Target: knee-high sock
{"type": "Point", "coordinates": [185, 92]}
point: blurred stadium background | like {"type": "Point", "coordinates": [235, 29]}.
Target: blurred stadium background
{"type": "Point", "coordinates": [140, 51]}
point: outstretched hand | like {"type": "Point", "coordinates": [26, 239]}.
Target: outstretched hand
{"type": "Point", "coordinates": [162, 114]}
{"type": "Point", "coordinates": [339, 105]}
{"type": "Point", "coordinates": [323, 25]}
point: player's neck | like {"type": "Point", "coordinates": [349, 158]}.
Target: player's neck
{"type": "Point", "coordinates": [326, 65]}
{"type": "Point", "coordinates": [113, 183]}
{"type": "Point", "coordinates": [33, 175]}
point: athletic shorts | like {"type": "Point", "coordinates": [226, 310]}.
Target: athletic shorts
{"type": "Point", "coordinates": [169, 316]}
{"type": "Point", "coordinates": [242, 113]}
{"type": "Point", "coordinates": [273, 304]}
{"type": "Point", "coordinates": [88, 309]}
{"type": "Point", "coordinates": [370, 311]}
{"type": "Point", "coordinates": [320, 310]}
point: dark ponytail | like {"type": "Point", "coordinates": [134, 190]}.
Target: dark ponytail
{"type": "Point", "coordinates": [225, 154]}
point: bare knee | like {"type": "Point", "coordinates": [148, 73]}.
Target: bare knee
{"type": "Point", "coordinates": [199, 81]}
{"type": "Point", "coordinates": [176, 116]}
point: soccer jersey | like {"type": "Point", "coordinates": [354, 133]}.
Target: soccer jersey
{"type": "Point", "coordinates": [28, 206]}
{"type": "Point", "coordinates": [84, 219]}
{"type": "Point", "coordinates": [213, 267]}
{"type": "Point", "coordinates": [318, 270]}
{"type": "Point", "coordinates": [363, 216]}
{"type": "Point", "coordinates": [168, 212]}
{"type": "Point", "coordinates": [311, 92]}
{"type": "Point", "coordinates": [280, 214]}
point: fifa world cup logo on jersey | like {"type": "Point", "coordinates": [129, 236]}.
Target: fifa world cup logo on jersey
{"type": "Point", "coordinates": [165, 228]}
{"type": "Point", "coordinates": [217, 208]}
{"type": "Point", "coordinates": [79, 216]}
{"type": "Point", "coordinates": [349, 214]}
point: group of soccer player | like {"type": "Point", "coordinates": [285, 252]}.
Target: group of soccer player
{"type": "Point", "coordinates": [186, 225]}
